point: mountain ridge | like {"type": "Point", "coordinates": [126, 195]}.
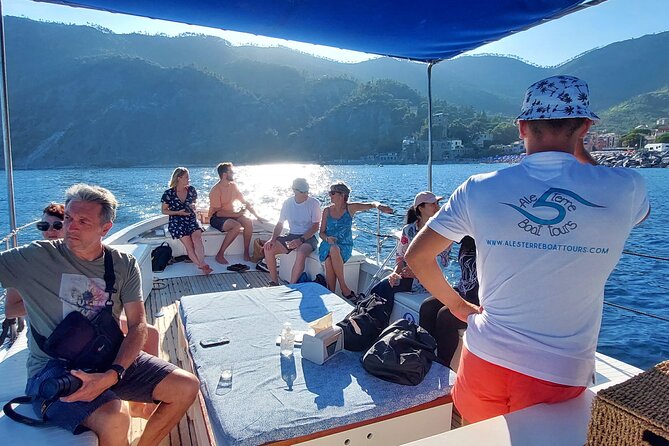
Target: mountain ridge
{"type": "Point", "coordinates": [195, 98]}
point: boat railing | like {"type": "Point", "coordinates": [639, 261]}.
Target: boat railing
{"type": "Point", "coordinates": [10, 328]}
{"type": "Point", "coordinates": [11, 237]}
{"type": "Point", "coordinates": [382, 238]}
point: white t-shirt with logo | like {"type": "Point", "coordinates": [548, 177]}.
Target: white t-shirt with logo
{"type": "Point", "coordinates": [300, 216]}
{"type": "Point", "coordinates": [549, 232]}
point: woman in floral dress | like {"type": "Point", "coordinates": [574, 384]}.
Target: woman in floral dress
{"type": "Point", "coordinates": [179, 203]}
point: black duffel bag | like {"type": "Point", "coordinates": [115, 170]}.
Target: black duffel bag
{"type": "Point", "coordinates": [362, 326]}
{"type": "Point", "coordinates": [161, 257]}
{"type": "Point", "coordinates": [403, 354]}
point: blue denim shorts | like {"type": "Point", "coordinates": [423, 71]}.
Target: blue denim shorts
{"type": "Point", "coordinates": [138, 384]}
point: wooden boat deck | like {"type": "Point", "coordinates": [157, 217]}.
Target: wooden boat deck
{"type": "Point", "coordinates": [162, 311]}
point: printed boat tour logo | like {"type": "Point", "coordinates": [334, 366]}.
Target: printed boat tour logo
{"type": "Point", "coordinates": [564, 202]}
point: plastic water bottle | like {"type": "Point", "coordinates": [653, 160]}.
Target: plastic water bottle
{"type": "Point", "coordinates": [287, 339]}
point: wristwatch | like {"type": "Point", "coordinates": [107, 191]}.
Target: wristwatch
{"type": "Point", "coordinates": [119, 369]}
{"type": "Point", "coordinates": [302, 239]}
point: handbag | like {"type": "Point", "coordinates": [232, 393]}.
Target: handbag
{"type": "Point", "coordinates": [87, 344]}
{"type": "Point", "coordinates": [160, 257]}
{"type": "Point", "coordinates": [258, 251]}
{"type": "Point", "coordinates": [403, 354]}
{"type": "Point", "coordinates": [363, 325]}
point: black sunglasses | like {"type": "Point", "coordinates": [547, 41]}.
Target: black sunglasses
{"type": "Point", "coordinates": [45, 225]}
{"type": "Point", "coordinates": [332, 192]}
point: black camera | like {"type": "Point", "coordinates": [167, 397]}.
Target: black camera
{"type": "Point", "coordinates": [59, 386]}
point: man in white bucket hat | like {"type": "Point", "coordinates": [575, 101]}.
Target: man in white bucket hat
{"type": "Point", "coordinates": [548, 232]}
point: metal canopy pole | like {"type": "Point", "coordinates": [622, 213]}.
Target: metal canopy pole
{"type": "Point", "coordinates": [429, 125]}
{"type": "Point", "coordinates": [6, 139]}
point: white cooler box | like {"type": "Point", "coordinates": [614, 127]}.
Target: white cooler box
{"type": "Point", "coordinates": [407, 306]}
{"type": "Point", "coordinates": [143, 255]}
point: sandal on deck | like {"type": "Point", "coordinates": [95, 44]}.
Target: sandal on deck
{"type": "Point", "coordinates": [238, 267]}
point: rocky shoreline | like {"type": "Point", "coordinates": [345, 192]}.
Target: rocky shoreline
{"type": "Point", "coordinates": [629, 158]}
{"type": "Point", "coordinates": [633, 159]}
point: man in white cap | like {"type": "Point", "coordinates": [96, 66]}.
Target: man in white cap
{"type": "Point", "coordinates": [549, 232]}
{"type": "Point", "coordinates": [303, 214]}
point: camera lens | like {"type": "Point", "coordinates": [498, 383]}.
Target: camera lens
{"type": "Point", "coordinates": [60, 386]}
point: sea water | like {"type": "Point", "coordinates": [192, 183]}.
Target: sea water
{"type": "Point", "coordinates": [636, 282]}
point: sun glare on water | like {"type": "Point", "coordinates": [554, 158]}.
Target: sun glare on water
{"type": "Point", "coordinates": [267, 186]}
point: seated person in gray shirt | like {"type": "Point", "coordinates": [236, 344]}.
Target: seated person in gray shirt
{"type": "Point", "coordinates": [57, 277]}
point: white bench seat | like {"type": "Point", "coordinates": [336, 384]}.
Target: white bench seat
{"type": "Point", "coordinates": [13, 385]}
{"type": "Point", "coordinates": [313, 266]}
{"type": "Point", "coordinates": [212, 239]}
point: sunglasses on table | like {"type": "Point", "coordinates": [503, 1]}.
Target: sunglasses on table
{"type": "Point", "coordinates": [45, 225]}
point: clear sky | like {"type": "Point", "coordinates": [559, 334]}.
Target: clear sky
{"type": "Point", "coordinates": [547, 44]}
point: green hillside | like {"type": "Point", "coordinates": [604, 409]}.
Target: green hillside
{"type": "Point", "coordinates": [644, 109]}
{"type": "Point", "coordinates": [83, 95]}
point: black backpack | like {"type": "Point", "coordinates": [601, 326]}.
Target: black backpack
{"type": "Point", "coordinates": [364, 324]}
{"type": "Point", "coordinates": [403, 354]}
{"type": "Point", "coordinates": [160, 257]}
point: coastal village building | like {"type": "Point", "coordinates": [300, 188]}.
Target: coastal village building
{"type": "Point", "coordinates": [657, 147]}
{"type": "Point", "coordinates": [661, 127]}
{"type": "Point", "coordinates": [481, 139]}
{"type": "Point", "coordinates": [415, 151]}
{"type": "Point", "coordinates": [606, 141]}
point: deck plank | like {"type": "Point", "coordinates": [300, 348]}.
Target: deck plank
{"type": "Point", "coordinates": [192, 429]}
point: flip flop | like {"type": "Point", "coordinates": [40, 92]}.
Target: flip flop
{"type": "Point", "coordinates": [238, 267]}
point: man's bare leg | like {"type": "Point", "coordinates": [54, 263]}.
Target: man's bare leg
{"type": "Point", "coordinates": [247, 223]}
{"type": "Point", "coordinates": [176, 392]}
{"type": "Point", "coordinates": [231, 228]}
{"type": "Point", "coordinates": [270, 260]}
{"type": "Point", "coordinates": [301, 255]}
{"type": "Point", "coordinates": [110, 423]}
{"type": "Point", "coordinates": [141, 410]}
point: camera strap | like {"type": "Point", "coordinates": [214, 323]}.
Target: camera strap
{"type": "Point", "coordinates": [8, 409]}
{"type": "Point", "coordinates": [110, 277]}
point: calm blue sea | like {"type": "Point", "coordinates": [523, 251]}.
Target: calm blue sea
{"type": "Point", "coordinates": [636, 282]}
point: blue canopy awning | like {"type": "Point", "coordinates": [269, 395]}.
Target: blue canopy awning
{"type": "Point", "coordinates": [426, 31]}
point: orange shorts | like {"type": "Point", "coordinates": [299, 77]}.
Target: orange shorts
{"type": "Point", "coordinates": [484, 390]}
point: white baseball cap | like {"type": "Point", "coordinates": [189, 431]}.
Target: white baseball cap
{"type": "Point", "coordinates": [301, 185]}
{"type": "Point", "coordinates": [425, 197]}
